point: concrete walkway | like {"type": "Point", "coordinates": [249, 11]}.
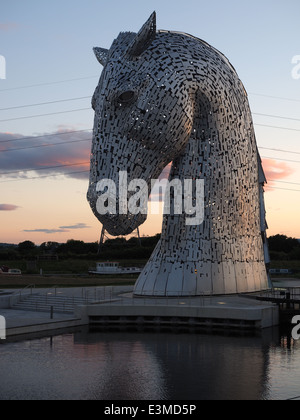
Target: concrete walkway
{"type": "Point", "coordinates": [25, 322]}
{"type": "Point", "coordinates": [119, 301]}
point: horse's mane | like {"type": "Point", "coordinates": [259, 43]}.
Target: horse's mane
{"type": "Point", "coordinates": [161, 31]}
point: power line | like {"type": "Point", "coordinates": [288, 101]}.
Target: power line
{"type": "Point", "coordinates": [279, 150]}
{"type": "Point", "coordinates": [275, 116]}
{"type": "Point", "coordinates": [44, 145]}
{"type": "Point", "coordinates": [49, 83]}
{"type": "Point", "coordinates": [279, 128]}
{"type": "Point", "coordinates": [284, 182]}
{"type": "Point", "coordinates": [86, 171]}
{"type": "Point", "coordinates": [284, 189]}
{"type": "Point", "coordinates": [90, 130]}
{"type": "Point", "coordinates": [274, 97]}
{"type": "Point", "coordinates": [44, 168]}
{"type": "Point", "coordinates": [46, 115]}
{"type": "Point", "coordinates": [97, 76]}
{"type": "Point", "coordinates": [44, 176]}
{"type": "Point", "coordinates": [45, 103]}
{"type": "Point", "coordinates": [284, 160]}
{"type": "Point", "coordinates": [82, 140]}
{"type": "Point", "coordinates": [87, 163]}
{"type": "Point", "coordinates": [46, 135]}
{"type": "Point", "coordinates": [83, 172]}
{"type": "Point", "coordinates": [88, 109]}
{"type": "Point", "coordinates": [88, 97]}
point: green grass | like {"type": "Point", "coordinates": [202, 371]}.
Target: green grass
{"type": "Point", "coordinates": [72, 266]}
{"type": "Point", "coordinates": [292, 265]}
{"type": "Point", "coordinates": [284, 264]}
{"type": "Point", "coordinates": [78, 267]}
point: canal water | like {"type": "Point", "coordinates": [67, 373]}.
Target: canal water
{"type": "Point", "coordinates": [103, 365]}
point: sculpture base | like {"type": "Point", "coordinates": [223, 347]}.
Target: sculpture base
{"type": "Point", "coordinates": [226, 312]}
{"type": "Point", "coordinates": [201, 278]}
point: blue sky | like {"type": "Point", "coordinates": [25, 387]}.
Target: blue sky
{"type": "Point", "coordinates": [49, 42]}
{"type": "Point", "coordinates": [52, 41]}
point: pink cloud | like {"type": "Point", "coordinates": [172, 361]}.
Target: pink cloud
{"type": "Point", "coordinates": [62, 153]}
{"type": "Point", "coordinates": [275, 171]}
{"type": "Point", "coordinates": [8, 207]}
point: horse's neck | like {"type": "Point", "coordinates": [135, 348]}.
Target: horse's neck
{"type": "Point", "coordinates": [222, 130]}
{"type": "Point", "coordinates": [221, 151]}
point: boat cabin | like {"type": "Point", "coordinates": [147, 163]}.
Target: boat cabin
{"type": "Point", "coordinates": [108, 267]}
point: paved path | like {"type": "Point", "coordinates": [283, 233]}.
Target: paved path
{"type": "Point", "coordinates": [23, 322]}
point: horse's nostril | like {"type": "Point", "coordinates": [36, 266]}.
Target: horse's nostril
{"type": "Point", "coordinates": [127, 96]}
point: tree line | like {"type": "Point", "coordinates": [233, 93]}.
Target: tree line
{"type": "Point", "coordinates": [281, 248]}
{"type": "Point", "coordinates": [119, 248]}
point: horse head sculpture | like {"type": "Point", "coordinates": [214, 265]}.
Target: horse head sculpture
{"type": "Point", "coordinates": [170, 97]}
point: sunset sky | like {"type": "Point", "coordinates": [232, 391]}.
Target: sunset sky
{"type": "Point", "coordinates": [51, 75]}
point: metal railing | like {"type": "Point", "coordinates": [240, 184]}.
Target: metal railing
{"type": "Point", "coordinates": [21, 292]}
{"type": "Point", "coordinates": [110, 295]}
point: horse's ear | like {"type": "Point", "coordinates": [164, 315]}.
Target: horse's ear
{"type": "Point", "coordinates": [144, 38]}
{"type": "Point", "coordinates": [101, 55]}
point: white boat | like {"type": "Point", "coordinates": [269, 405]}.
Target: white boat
{"type": "Point", "coordinates": [11, 272]}
{"type": "Point", "coordinates": [114, 268]}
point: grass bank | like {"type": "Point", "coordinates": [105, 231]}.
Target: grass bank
{"type": "Point", "coordinates": [17, 282]}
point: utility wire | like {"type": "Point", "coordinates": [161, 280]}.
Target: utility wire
{"type": "Point", "coordinates": [274, 97]}
{"type": "Point", "coordinates": [284, 182]}
{"type": "Point", "coordinates": [49, 83]}
{"type": "Point", "coordinates": [88, 97]}
{"type": "Point", "coordinates": [279, 128]}
{"type": "Point", "coordinates": [46, 135]}
{"type": "Point", "coordinates": [279, 150]}
{"type": "Point", "coordinates": [97, 76]}
{"type": "Point", "coordinates": [87, 163]}
{"type": "Point", "coordinates": [83, 172]}
{"type": "Point", "coordinates": [44, 168]}
{"type": "Point", "coordinates": [86, 171]}
{"type": "Point", "coordinates": [284, 189]}
{"type": "Point", "coordinates": [90, 130]}
{"type": "Point", "coordinates": [275, 116]}
{"type": "Point", "coordinates": [46, 115]}
{"type": "Point", "coordinates": [44, 176]}
{"type": "Point", "coordinates": [82, 140]}
{"type": "Point", "coordinates": [44, 145]}
{"type": "Point", "coordinates": [284, 160]}
{"type": "Point", "coordinates": [45, 103]}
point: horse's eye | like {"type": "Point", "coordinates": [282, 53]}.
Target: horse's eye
{"type": "Point", "coordinates": [126, 97]}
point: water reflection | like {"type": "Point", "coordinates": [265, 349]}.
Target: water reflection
{"type": "Point", "coordinates": [181, 367]}
{"type": "Point", "coordinates": [142, 366]}
{"type": "Point", "coordinates": [126, 369]}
